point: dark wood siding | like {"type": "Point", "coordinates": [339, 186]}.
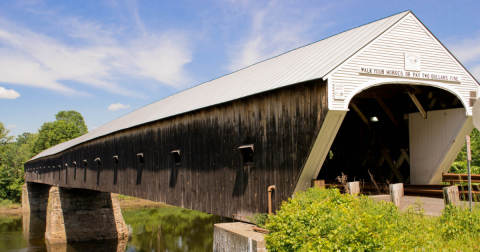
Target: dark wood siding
{"type": "Point", "coordinates": [211, 176]}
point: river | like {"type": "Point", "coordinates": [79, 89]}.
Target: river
{"type": "Point", "coordinates": [151, 229]}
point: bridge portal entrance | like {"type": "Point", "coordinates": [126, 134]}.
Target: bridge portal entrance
{"type": "Point", "coordinates": [397, 133]}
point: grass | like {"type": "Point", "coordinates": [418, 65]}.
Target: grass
{"type": "Point", "coordinates": [8, 204]}
{"type": "Point", "coordinates": [125, 197]}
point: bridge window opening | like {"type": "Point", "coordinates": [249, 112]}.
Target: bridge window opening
{"type": "Point", "coordinates": [99, 163]}
{"type": "Point", "coordinates": [115, 171]}
{"type": "Point", "coordinates": [85, 165]}
{"type": "Point", "coordinates": [247, 152]}
{"type": "Point", "coordinates": [141, 161]}
{"type": "Point", "coordinates": [74, 170]}
{"type": "Point", "coordinates": [59, 170]}
{"type": "Point", "coordinates": [374, 135]}
{"type": "Point", "coordinates": [140, 158]}
{"type": "Point", "coordinates": [66, 173]}
{"type": "Point", "coordinates": [176, 157]}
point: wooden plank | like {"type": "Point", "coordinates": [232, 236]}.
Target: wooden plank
{"type": "Point", "coordinates": [417, 104]}
{"type": "Point", "coordinates": [386, 109]}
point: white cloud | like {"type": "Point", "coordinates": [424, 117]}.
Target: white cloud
{"type": "Point", "coordinates": [11, 126]}
{"type": "Point", "coordinates": [276, 27]}
{"type": "Point", "coordinates": [117, 106]}
{"type": "Point", "coordinates": [476, 72]}
{"type": "Point", "coordinates": [99, 57]}
{"type": "Point", "coordinates": [467, 52]}
{"type": "Point", "coordinates": [8, 93]}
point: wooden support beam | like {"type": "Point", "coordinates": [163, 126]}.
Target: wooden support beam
{"type": "Point", "coordinates": [418, 104]}
{"type": "Point", "coordinates": [455, 102]}
{"type": "Point", "coordinates": [392, 166]}
{"type": "Point", "coordinates": [405, 154]}
{"type": "Point", "coordinates": [374, 165]}
{"type": "Point", "coordinates": [397, 164]}
{"type": "Point", "coordinates": [416, 89]}
{"type": "Point", "coordinates": [386, 109]}
{"type": "Point", "coordinates": [380, 161]}
{"type": "Point", "coordinates": [360, 114]}
{"type": "Point", "coordinates": [442, 104]}
{"type": "Point", "coordinates": [432, 103]}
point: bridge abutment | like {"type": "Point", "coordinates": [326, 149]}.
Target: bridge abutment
{"type": "Point", "coordinates": [35, 197]}
{"type": "Point", "coordinates": [83, 215]}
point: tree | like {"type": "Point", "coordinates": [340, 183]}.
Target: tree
{"type": "Point", "coordinates": [4, 141]}
{"type": "Point", "coordinates": [53, 133]}
{"type": "Point", "coordinates": [69, 125]}
{"type": "Point", "coordinates": [74, 117]}
{"type": "Point", "coordinates": [12, 157]}
{"type": "Point", "coordinates": [460, 164]}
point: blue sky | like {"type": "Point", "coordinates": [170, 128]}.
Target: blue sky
{"type": "Point", "coordinates": [108, 58]}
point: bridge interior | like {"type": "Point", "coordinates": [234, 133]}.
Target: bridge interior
{"type": "Point", "coordinates": [374, 136]}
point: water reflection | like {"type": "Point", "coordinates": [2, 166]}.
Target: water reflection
{"type": "Point", "coordinates": [152, 229]}
{"type": "Point", "coordinates": [92, 246]}
{"type": "Point", "coordinates": [170, 229]}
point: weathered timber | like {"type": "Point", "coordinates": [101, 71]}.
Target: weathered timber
{"type": "Point", "coordinates": [396, 193]}
{"type": "Point", "coordinates": [211, 177]}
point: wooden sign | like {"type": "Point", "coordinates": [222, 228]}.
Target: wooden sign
{"type": "Point", "coordinates": [339, 92]}
{"type": "Point", "coordinates": [469, 151]}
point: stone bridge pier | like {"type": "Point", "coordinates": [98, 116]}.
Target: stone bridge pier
{"type": "Point", "coordinates": [74, 214]}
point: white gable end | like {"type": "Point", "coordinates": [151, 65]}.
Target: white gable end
{"type": "Point", "coordinates": [388, 52]}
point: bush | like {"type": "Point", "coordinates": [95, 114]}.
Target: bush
{"type": "Point", "coordinates": [325, 220]}
{"type": "Point", "coordinates": [460, 167]}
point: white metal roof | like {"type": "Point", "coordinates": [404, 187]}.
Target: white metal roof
{"type": "Point", "coordinates": [309, 62]}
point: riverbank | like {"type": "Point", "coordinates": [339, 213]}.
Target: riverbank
{"type": "Point", "coordinates": [9, 208]}
{"type": "Point", "coordinates": [126, 202]}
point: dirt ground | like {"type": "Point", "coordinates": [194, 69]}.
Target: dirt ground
{"type": "Point", "coordinates": [15, 209]}
{"type": "Point", "coordinates": [130, 203]}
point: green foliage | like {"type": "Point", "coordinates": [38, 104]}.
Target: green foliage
{"type": "Point", "coordinates": [170, 229]}
{"type": "Point", "coordinates": [69, 125]}
{"type": "Point", "coordinates": [460, 167]}
{"type": "Point", "coordinates": [53, 133]}
{"type": "Point", "coordinates": [73, 117]}
{"type": "Point", "coordinates": [325, 220]}
{"type": "Point", "coordinates": [14, 154]}
{"type": "Point", "coordinates": [260, 219]}
{"type": "Point", "coordinates": [12, 157]}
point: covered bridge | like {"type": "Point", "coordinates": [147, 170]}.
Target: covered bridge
{"type": "Point", "coordinates": [386, 97]}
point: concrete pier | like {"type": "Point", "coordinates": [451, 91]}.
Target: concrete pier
{"type": "Point", "coordinates": [237, 236]}
{"type": "Point", "coordinates": [83, 215]}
